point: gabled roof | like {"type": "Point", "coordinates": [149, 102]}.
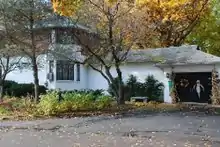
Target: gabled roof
{"type": "Point", "coordinates": [187, 54]}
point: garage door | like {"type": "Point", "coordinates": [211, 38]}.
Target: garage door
{"type": "Point", "coordinates": [194, 87]}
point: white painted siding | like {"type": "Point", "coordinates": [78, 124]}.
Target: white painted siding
{"type": "Point", "coordinates": [140, 70]}
{"type": "Point", "coordinates": [26, 75]}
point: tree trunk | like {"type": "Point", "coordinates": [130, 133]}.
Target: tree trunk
{"type": "Point", "coordinates": [121, 99]}
{"type": "Point", "coordinates": [36, 80]}
{"type": "Point", "coordinates": [2, 83]}
{"type": "Point", "coordinates": [1, 92]}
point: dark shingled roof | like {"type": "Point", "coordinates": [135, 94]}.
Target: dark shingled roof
{"type": "Point", "coordinates": [187, 54]}
{"type": "Point", "coordinates": [56, 21]}
{"type": "Point", "coordinates": [182, 55]}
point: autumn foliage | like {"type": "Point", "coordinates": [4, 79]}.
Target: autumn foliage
{"type": "Point", "coordinates": [172, 20]}
{"type": "Point", "coordinates": [161, 22]}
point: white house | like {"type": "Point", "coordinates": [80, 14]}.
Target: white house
{"type": "Point", "coordinates": [187, 62]}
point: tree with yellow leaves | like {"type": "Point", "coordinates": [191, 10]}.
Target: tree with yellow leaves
{"type": "Point", "coordinates": [171, 20]}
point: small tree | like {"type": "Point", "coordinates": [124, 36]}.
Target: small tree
{"type": "Point", "coordinates": [133, 85]}
{"type": "Point", "coordinates": [9, 59]}
{"type": "Point", "coordinates": [154, 88]}
{"type": "Point", "coordinates": [19, 18]}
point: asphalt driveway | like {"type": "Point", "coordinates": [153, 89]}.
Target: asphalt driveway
{"type": "Point", "coordinates": [131, 130]}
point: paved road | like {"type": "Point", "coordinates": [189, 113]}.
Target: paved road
{"type": "Point", "coordinates": [155, 130]}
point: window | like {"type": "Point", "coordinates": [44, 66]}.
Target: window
{"type": "Point", "coordinates": [65, 70]}
{"type": "Point", "coordinates": [51, 65]}
{"type": "Point", "coordinates": [64, 36]}
{"type": "Point", "coordinates": [78, 72]}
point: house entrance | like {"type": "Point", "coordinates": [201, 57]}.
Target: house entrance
{"type": "Point", "coordinates": [194, 87]}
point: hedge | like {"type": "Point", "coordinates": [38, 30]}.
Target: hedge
{"type": "Point", "coordinates": [12, 88]}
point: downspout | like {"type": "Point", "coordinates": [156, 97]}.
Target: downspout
{"type": "Point", "coordinates": [171, 79]}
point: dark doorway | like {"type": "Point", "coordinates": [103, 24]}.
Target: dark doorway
{"type": "Point", "coordinates": [194, 87]}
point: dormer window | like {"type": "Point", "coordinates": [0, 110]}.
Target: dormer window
{"type": "Point", "coordinates": [65, 36]}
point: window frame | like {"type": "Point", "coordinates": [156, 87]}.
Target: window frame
{"type": "Point", "coordinates": [51, 66]}
{"type": "Point", "coordinates": [78, 72]}
{"type": "Point", "coordinates": [65, 70]}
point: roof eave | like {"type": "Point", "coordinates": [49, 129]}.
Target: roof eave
{"type": "Point", "coordinates": [182, 64]}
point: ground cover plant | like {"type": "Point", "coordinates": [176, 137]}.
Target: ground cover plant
{"type": "Point", "coordinates": [83, 103]}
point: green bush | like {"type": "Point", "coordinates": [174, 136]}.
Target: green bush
{"type": "Point", "coordinates": [12, 88]}
{"type": "Point", "coordinates": [151, 88]}
{"type": "Point", "coordinates": [71, 101]}
{"type": "Point", "coordinates": [79, 101]}
{"type": "Point", "coordinates": [103, 102]}
{"type": "Point", "coordinates": [95, 93]}
{"type": "Point", "coordinates": [4, 111]}
{"type": "Point", "coordinates": [48, 104]}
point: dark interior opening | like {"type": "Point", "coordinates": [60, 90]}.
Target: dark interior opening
{"type": "Point", "coordinates": [194, 87]}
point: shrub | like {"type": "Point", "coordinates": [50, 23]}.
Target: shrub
{"type": "Point", "coordinates": [103, 102]}
{"type": "Point", "coordinates": [4, 110]}
{"type": "Point", "coordinates": [151, 88]}
{"type": "Point", "coordinates": [94, 93]}
{"type": "Point", "coordinates": [12, 88]}
{"type": "Point", "coordinates": [79, 101]}
{"type": "Point", "coordinates": [48, 103]}
{"type": "Point", "coordinates": [72, 101]}
{"type": "Point", "coordinates": [9, 84]}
